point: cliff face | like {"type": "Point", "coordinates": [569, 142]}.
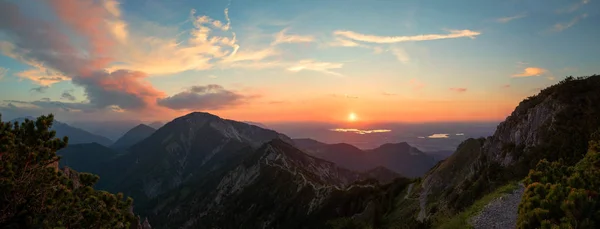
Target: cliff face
{"type": "Point", "coordinates": [555, 124]}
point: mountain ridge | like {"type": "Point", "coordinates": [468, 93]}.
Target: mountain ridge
{"type": "Point", "coordinates": [76, 135]}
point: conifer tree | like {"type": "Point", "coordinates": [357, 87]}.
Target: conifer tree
{"type": "Point", "coordinates": [34, 193]}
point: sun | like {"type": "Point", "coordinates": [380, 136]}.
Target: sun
{"type": "Point", "coordinates": [352, 117]}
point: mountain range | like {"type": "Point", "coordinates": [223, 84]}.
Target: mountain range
{"type": "Point", "coordinates": [399, 157]}
{"type": "Point", "coordinates": [75, 135]}
{"type": "Point", "coordinates": [202, 171]}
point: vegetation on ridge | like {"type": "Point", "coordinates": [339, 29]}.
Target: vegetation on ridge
{"type": "Point", "coordinates": [561, 196]}
{"type": "Point", "coordinates": [34, 193]}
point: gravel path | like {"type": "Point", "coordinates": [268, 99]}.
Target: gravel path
{"type": "Point", "coordinates": [501, 213]}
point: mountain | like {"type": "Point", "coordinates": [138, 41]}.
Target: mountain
{"type": "Point", "coordinates": [257, 124]}
{"type": "Point", "coordinates": [111, 129]}
{"type": "Point", "coordinates": [199, 170]}
{"type": "Point", "coordinates": [76, 135]}
{"type": "Point", "coordinates": [400, 158]}
{"type": "Point", "coordinates": [187, 148]}
{"type": "Point", "coordinates": [309, 144]}
{"type": "Point", "coordinates": [133, 136]}
{"type": "Point", "coordinates": [156, 125]}
{"type": "Point", "coordinates": [440, 154]}
{"type": "Point", "coordinates": [275, 186]}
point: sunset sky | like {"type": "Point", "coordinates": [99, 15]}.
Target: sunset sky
{"type": "Point", "coordinates": [304, 60]}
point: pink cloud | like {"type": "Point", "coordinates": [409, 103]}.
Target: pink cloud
{"type": "Point", "coordinates": [458, 89]}
{"type": "Point", "coordinates": [37, 42]}
{"type": "Point", "coordinates": [416, 84]}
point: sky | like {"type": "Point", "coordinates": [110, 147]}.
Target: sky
{"type": "Point", "coordinates": [289, 61]}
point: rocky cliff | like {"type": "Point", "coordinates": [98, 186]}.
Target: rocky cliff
{"type": "Point", "coordinates": [554, 124]}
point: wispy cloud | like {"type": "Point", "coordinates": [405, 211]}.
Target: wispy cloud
{"type": "Point", "coordinates": [342, 42]}
{"type": "Point", "coordinates": [312, 65]}
{"type": "Point", "coordinates": [439, 136]}
{"type": "Point", "coordinates": [40, 89]}
{"type": "Point", "coordinates": [388, 94]}
{"type": "Point", "coordinates": [458, 89]}
{"type": "Point", "coordinates": [400, 54]}
{"type": "Point", "coordinates": [508, 19]}
{"type": "Point", "coordinates": [3, 72]}
{"type": "Point", "coordinates": [531, 71]}
{"type": "Point", "coordinates": [358, 131]}
{"type": "Point", "coordinates": [396, 39]}
{"type": "Point", "coordinates": [282, 37]}
{"type": "Point", "coordinates": [574, 7]}
{"type": "Point", "coordinates": [558, 27]}
{"type": "Point", "coordinates": [68, 95]}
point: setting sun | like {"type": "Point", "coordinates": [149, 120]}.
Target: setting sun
{"type": "Point", "coordinates": [352, 117]}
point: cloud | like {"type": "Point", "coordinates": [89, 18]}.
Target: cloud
{"type": "Point", "coordinates": [396, 39]}
{"type": "Point", "coordinates": [416, 84]}
{"type": "Point", "coordinates": [389, 94]}
{"type": "Point", "coordinates": [43, 46]}
{"type": "Point", "coordinates": [507, 19]}
{"type": "Point", "coordinates": [45, 105]}
{"type": "Point", "coordinates": [282, 37]}
{"type": "Point", "coordinates": [506, 86]}
{"type": "Point", "coordinates": [358, 131]}
{"type": "Point", "coordinates": [460, 134]}
{"type": "Point", "coordinates": [40, 89]}
{"type": "Point", "coordinates": [209, 97]}
{"type": "Point", "coordinates": [574, 7]}
{"type": "Point", "coordinates": [160, 55]}
{"type": "Point", "coordinates": [346, 96]}
{"type": "Point", "coordinates": [531, 71]}
{"type": "Point", "coordinates": [558, 27]}
{"type": "Point", "coordinates": [312, 65]}
{"type": "Point", "coordinates": [341, 42]}
{"type": "Point", "coordinates": [40, 74]}
{"type": "Point", "coordinates": [458, 89]}
{"type": "Point", "coordinates": [400, 54]}
{"type": "Point", "coordinates": [3, 72]}
{"type": "Point", "coordinates": [67, 95]}
{"type": "Point", "coordinates": [439, 136]}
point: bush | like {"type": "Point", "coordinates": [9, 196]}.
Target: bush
{"type": "Point", "coordinates": [559, 196]}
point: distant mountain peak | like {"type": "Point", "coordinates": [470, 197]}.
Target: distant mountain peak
{"type": "Point", "coordinates": [133, 136]}
{"type": "Point", "coordinates": [142, 127]}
